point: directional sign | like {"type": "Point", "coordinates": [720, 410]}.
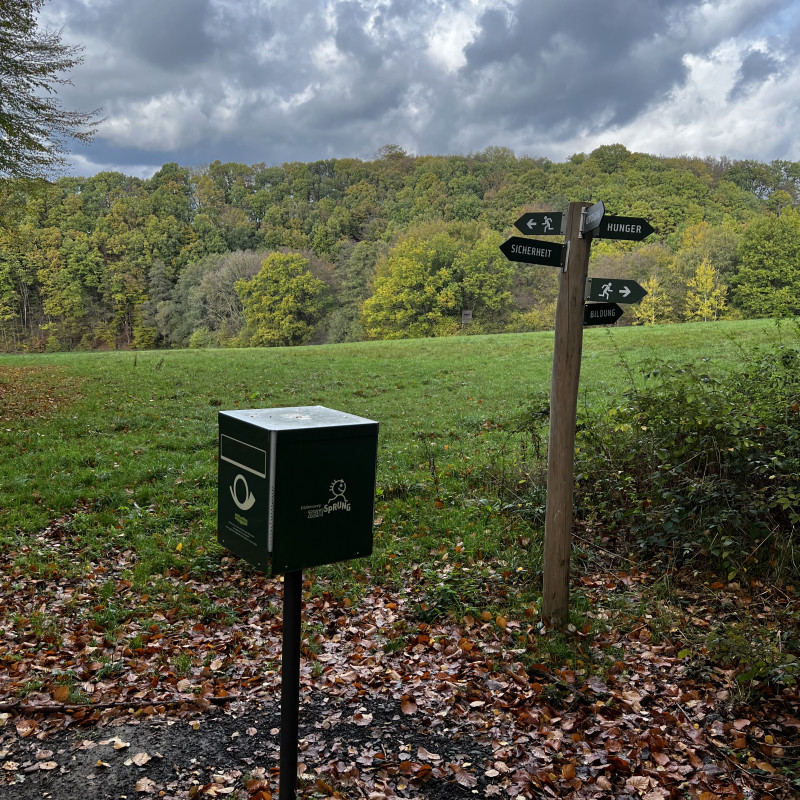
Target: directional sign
{"type": "Point", "coordinates": [592, 218]}
{"type": "Point", "coordinates": [601, 314]}
{"type": "Point", "coordinates": [614, 289]}
{"type": "Point", "coordinates": [633, 229]}
{"type": "Point", "coordinates": [548, 222]}
{"type": "Point", "coordinates": [532, 251]}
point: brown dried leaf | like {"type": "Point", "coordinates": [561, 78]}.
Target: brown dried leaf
{"type": "Point", "coordinates": [426, 755]}
{"type": "Point", "coordinates": [60, 694]}
{"type": "Point", "coordinates": [463, 777]}
{"type": "Point", "coordinates": [25, 727]}
{"type": "Point", "coordinates": [408, 706]}
{"type": "Point", "coordinates": [145, 786]}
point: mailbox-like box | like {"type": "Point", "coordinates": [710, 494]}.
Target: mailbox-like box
{"type": "Point", "coordinates": [296, 486]}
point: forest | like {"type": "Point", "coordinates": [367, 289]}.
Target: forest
{"type": "Point", "coordinates": [231, 255]}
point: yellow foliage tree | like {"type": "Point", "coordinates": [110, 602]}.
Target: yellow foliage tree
{"type": "Point", "coordinates": [655, 307]}
{"type": "Point", "coordinates": [705, 298]}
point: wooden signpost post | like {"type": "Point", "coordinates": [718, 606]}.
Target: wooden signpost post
{"type": "Point", "coordinates": [583, 222]}
{"type": "Point", "coordinates": [563, 413]}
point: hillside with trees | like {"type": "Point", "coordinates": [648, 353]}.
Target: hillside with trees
{"type": "Point", "coordinates": [345, 250]}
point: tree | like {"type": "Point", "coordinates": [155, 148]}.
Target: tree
{"type": "Point", "coordinates": [705, 298]}
{"type": "Point", "coordinates": [768, 281]}
{"type": "Point", "coordinates": [654, 308]}
{"type": "Point", "coordinates": [283, 303]}
{"type": "Point", "coordinates": [354, 275]}
{"type": "Point", "coordinates": [434, 272]}
{"type": "Point", "coordinates": [33, 125]}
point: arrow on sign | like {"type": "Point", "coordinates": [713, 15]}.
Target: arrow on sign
{"type": "Point", "coordinates": [532, 251]}
{"type": "Point", "coordinates": [613, 289]}
{"type": "Point", "coordinates": [547, 222]}
{"type": "Point", "coordinates": [601, 314]}
{"type": "Point", "coordinates": [633, 229]}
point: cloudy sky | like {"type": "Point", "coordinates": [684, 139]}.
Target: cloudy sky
{"type": "Point", "coordinates": [282, 80]}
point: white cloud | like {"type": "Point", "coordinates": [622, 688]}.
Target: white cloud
{"type": "Point", "coordinates": [167, 122]}
{"type": "Point", "coordinates": [700, 119]}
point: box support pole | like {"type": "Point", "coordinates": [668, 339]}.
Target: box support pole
{"type": "Point", "coordinates": [290, 683]}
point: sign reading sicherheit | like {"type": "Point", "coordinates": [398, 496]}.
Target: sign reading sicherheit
{"type": "Point", "coordinates": [296, 486]}
{"type": "Point", "coordinates": [532, 251]}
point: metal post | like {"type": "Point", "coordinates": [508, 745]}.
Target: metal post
{"type": "Point", "coordinates": [290, 683]}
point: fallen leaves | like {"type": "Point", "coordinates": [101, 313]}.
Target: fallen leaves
{"type": "Point", "coordinates": [647, 726]}
{"type": "Point", "coordinates": [60, 694]}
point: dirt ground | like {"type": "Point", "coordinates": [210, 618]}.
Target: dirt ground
{"type": "Point", "coordinates": [217, 752]}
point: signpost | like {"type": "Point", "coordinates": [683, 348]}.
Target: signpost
{"type": "Point", "coordinates": [580, 225]}
{"type": "Point", "coordinates": [601, 314]}
{"type": "Point", "coordinates": [532, 251]}
{"type": "Point", "coordinates": [621, 291]}
{"type": "Point", "coordinates": [633, 229]}
{"type": "Point", "coordinates": [563, 414]}
{"type": "Point", "coordinates": [543, 223]}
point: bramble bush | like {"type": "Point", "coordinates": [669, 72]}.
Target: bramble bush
{"type": "Point", "coordinates": [702, 466]}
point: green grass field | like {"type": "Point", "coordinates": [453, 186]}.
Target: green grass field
{"type": "Point", "coordinates": [124, 443]}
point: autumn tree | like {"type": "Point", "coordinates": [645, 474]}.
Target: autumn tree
{"type": "Point", "coordinates": [283, 303]}
{"type": "Point", "coordinates": [33, 125]}
{"type": "Point", "coordinates": [705, 298]}
{"type": "Point", "coordinates": [431, 274]}
{"type": "Point", "coordinates": [655, 307]}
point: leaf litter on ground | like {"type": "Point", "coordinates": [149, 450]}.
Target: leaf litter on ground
{"type": "Point", "coordinates": [392, 706]}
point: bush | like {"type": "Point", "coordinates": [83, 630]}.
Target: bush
{"type": "Point", "coordinates": [702, 465]}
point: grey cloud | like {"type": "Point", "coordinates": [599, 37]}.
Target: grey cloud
{"type": "Point", "coordinates": [171, 35]}
{"type": "Point", "coordinates": [581, 65]}
{"type": "Point", "coordinates": [352, 39]}
{"type": "Point", "coordinates": [577, 61]}
{"type": "Point", "coordinates": [756, 67]}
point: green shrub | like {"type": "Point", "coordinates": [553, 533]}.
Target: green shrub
{"type": "Point", "coordinates": [702, 465]}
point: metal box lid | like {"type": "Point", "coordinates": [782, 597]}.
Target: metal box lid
{"type": "Point", "coordinates": [294, 418]}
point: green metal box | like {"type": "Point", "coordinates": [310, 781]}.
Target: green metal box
{"type": "Point", "coordinates": [296, 486]}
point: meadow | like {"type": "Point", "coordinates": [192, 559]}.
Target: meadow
{"type": "Point", "coordinates": [127, 441]}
